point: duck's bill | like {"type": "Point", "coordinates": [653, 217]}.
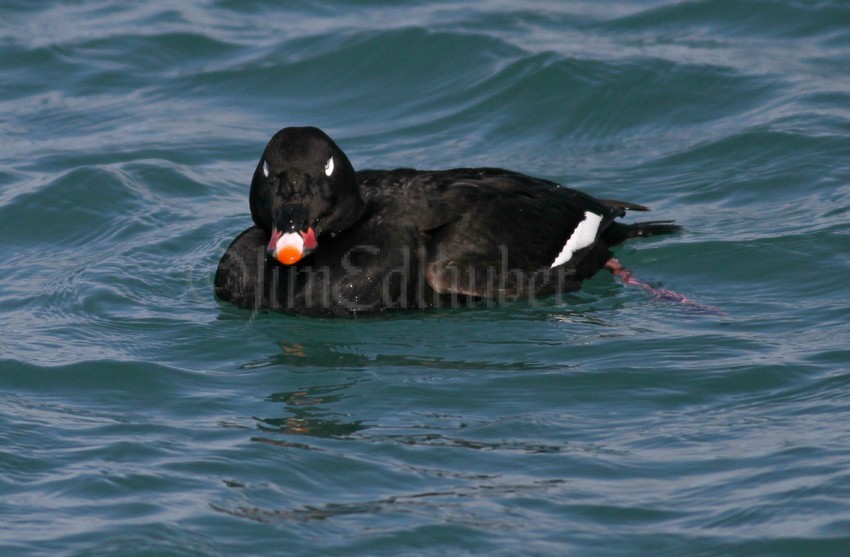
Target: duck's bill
{"type": "Point", "coordinates": [291, 247]}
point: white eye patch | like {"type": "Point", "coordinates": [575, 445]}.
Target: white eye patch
{"type": "Point", "coordinates": [265, 169]}
{"type": "Point", "coordinates": [329, 167]}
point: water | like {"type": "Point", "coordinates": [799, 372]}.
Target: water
{"type": "Point", "coordinates": [139, 416]}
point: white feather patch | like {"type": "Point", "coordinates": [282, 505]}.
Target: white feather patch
{"type": "Point", "coordinates": [583, 236]}
{"type": "Point", "coordinates": [265, 169]}
{"type": "Point", "coordinates": [329, 167]}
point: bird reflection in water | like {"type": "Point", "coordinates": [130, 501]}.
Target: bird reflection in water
{"type": "Point", "coordinates": [308, 414]}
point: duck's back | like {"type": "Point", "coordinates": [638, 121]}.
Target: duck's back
{"type": "Point", "coordinates": [489, 220]}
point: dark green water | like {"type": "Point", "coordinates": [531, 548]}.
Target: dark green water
{"type": "Point", "coordinates": [139, 416]}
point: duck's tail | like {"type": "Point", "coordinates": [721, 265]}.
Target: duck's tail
{"type": "Point", "coordinates": [650, 228]}
{"type": "Point", "coordinates": [619, 232]}
{"type": "Point", "coordinates": [622, 231]}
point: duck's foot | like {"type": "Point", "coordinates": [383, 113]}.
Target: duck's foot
{"type": "Point", "coordinates": [660, 294]}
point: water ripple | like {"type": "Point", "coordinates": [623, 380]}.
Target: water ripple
{"type": "Point", "coordinates": [140, 415]}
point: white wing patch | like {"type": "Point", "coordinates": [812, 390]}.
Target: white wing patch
{"type": "Point", "coordinates": [329, 167]}
{"type": "Point", "coordinates": [583, 236]}
{"type": "Point", "coordinates": [265, 169]}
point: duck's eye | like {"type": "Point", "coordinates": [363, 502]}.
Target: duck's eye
{"type": "Point", "coordinates": [266, 169]}
{"type": "Point", "coordinates": [329, 167]}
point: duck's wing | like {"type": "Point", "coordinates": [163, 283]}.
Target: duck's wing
{"type": "Point", "coordinates": [513, 235]}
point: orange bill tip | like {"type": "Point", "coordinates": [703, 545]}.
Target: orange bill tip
{"type": "Point", "coordinates": [289, 248]}
{"type": "Point", "coordinates": [289, 255]}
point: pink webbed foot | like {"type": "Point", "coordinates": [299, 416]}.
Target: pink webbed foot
{"type": "Point", "coordinates": [661, 294]}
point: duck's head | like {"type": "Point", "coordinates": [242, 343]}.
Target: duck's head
{"type": "Point", "coordinates": [304, 187]}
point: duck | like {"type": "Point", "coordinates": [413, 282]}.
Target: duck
{"type": "Point", "coordinates": [329, 240]}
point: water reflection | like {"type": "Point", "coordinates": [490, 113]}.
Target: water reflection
{"type": "Point", "coordinates": [456, 506]}
{"type": "Point", "coordinates": [307, 413]}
